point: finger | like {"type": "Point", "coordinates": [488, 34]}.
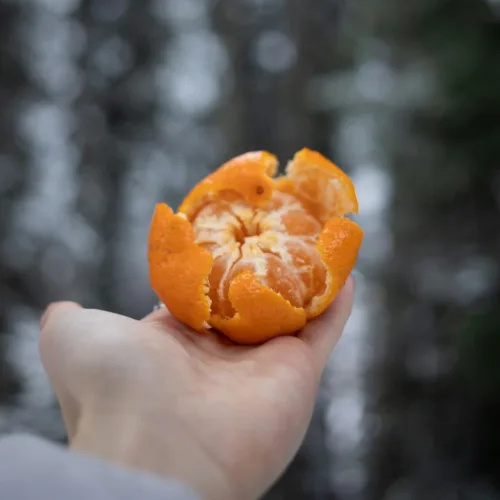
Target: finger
{"type": "Point", "coordinates": [157, 315]}
{"type": "Point", "coordinates": [67, 343]}
{"type": "Point", "coordinates": [86, 351]}
{"type": "Point", "coordinates": [323, 333]}
{"type": "Point", "coordinates": [74, 341]}
{"type": "Point", "coordinates": [70, 410]}
{"type": "Point", "coordinates": [69, 407]}
{"type": "Point", "coordinates": [48, 325]}
{"type": "Point", "coordinates": [52, 307]}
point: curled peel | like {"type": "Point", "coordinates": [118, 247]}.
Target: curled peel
{"type": "Point", "coordinates": [260, 312]}
{"type": "Point", "coordinates": [322, 187]}
{"type": "Point", "coordinates": [175, 259]}
{"type": "Point", "coordinates": [248, 176]}
{"type": "Point", "coordinates": [338, 243]}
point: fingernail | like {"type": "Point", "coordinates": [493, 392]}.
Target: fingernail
{"type": "Point", "coordinates": [356, 275]}
{"type": "Point", "coordinates": [50, 308]}
{"type": "Point", "coordinates": [45, 315]}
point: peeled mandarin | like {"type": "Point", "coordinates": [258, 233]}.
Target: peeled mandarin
{"type": "Point", "coordinates": [255, 256]}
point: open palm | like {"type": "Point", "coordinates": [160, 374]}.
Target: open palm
{"type": "Point", "coordinates": [153, 394]}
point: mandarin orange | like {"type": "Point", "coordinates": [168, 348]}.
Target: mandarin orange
{"type": "Point", "coordinates": [255, 256]}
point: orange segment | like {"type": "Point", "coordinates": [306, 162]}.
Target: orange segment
{"type": "Point", "coordinates": [338, 244]}
{"type": "Point", "coordinates": [248, 176]}
{"type": "Point", "coordinates": [179, 268]}
{"type": "Point", "coordinates": [253, 256]}
{"type": "Point", "coordinates": [261, 313]}
{"type": "Point", "coordinates": [320, 185]}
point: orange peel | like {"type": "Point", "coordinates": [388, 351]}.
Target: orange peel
{"type": "Point", "coordinates": [255, 256]}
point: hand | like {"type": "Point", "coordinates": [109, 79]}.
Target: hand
{"type": "Point", "coordinates": [154, 395]}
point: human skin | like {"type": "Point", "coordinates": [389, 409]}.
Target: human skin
{"type": "Point", "coordinates": [154, 395]}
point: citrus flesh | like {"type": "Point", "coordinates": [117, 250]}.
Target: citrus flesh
{"type": "Point", "coordinates": [252, 255]}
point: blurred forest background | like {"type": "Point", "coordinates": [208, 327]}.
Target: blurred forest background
{"type": "Point", "coordinates": [108, 106]}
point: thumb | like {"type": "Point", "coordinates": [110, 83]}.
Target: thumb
{"type": "Point", "coordinates": [50, 354]}
{"type": "Point", "coordinates": [323, 333]}
{"type": "Point", "coordinates": [51, 308]}
{"type": "Point", "coordinates": [56, 314]}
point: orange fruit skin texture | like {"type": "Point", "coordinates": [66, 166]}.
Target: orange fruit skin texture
{"type": "Point", "coordinates": [255, 256]}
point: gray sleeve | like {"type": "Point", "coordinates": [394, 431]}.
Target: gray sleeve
{"type": "Point", "coordinates": [31, 468]}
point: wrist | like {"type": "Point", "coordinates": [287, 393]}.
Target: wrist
{"type": "Point", "coordinates": [164, 450]}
